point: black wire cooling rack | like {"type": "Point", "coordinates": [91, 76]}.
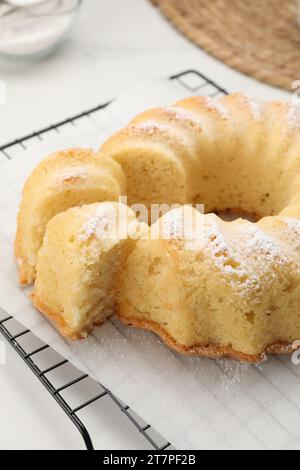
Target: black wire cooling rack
{"type": "Point", "coordinates": [14, 333]}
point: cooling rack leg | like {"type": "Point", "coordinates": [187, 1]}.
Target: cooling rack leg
{"type": "Point", "coordinates": [84, 433]}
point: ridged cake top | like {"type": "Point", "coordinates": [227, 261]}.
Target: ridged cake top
{"type": "Point", "coordinates": [183, 223]}
{"type": "Point", "coordinates": [183, 115]}
{"type": "Point", "coordinates": [257, 241]}
{"type": "Point", "coordinates": [173, 225]}
{"type": "Point", "coordinates": [293, 117]}
{"type": "Point", "coordinates": [68, 174]}
{"type": "Point", "coordinates": [97, 223]}
{"type": "Point", "coordinates": [245, 254]}
{"type": "Point", "coordinates": [294, 224]}
{"type": "Point", "coordinates": [254, 105]}
{"type": "Point", "coordinates": [151, 126]}
{"type": "Point", "coordinates": [214, 104]}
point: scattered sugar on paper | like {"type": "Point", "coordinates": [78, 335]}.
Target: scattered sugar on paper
{"type": "Point", "coordinates": [231, 372]}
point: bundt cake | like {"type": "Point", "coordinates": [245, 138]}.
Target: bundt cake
{"type": "Point", "coordinates": [63, 180]}
{"type": "Point", "coordinates": [78, 265]}
{"type": "Point", "coordinates": [223, 289]}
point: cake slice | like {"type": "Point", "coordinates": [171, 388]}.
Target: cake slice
{"type": "Point", "coordinates": [79, 262]}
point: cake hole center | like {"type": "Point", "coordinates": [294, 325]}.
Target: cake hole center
{"type": "Point", "coordinates": [232, 214]}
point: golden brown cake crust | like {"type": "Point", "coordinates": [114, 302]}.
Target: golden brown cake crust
{"type": "Point", "coordinates": [59, 321]}
{"type": "Point", "coordinates": [212, 351]}
{"type": "Point", "coordinates": [26, 274]}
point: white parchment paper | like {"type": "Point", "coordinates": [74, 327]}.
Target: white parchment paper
{"type": "Point", "coordinates": [194, 403]}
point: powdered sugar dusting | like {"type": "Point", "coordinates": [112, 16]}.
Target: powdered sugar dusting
{"type": "Point", "coordinates": [242, 263]}
{"type": "Point", "coordinates": [258, 241]}
{"type": "Point", "coordinates": [217, 106]}
{"type": "Point", "coordinates": [68, 174]}
{"type": "Point", "coordinates": [215, 240]}
{"type": "Point", "coordinates": [152, 126]}
{"type": "Point", "coordinates": [293, 224]}
{"type": "Point", "coordinates": [98, 224]}
{"type": "Point", "coordinates": [231, 372]}
{"type": "Point", "coordinates": [202, 234]}
{"type": "Point", "coordinates": [184, 223]}
{"type": "Point", "coordinates": [293, 117]}
{"type": "Point", "coordinates": [219, 251]}
{"type": "Point", "coordinates": [258, 253]}
{"type": "Point", "coordinates": [172, 225]}
{"type": "Point", "coordinates": [254, 105]}
{"type": "Point", "coordinates": [183, 115]}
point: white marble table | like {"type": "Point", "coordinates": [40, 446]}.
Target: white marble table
{"type": "Point", "coordinates": [113, 44]}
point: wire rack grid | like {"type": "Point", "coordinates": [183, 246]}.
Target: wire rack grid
{"type": "Point", "coordinates": [16, 335]}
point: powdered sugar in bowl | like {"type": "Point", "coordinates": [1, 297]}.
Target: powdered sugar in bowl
{"type": "Point", "coordinates": [35, 31]}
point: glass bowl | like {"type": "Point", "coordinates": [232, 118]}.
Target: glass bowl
{"type": "Point", "coordinates": [34, 32]}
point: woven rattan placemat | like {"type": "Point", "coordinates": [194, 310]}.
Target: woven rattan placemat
{"type": "Point", "coordinates": [258, 37]}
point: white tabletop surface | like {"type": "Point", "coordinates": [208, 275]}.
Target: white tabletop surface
{"type": "Point", "coordinates": [113, 44]}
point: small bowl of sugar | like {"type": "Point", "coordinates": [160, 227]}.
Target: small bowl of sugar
{"type": "Point", "coordinates": [32, 29]}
